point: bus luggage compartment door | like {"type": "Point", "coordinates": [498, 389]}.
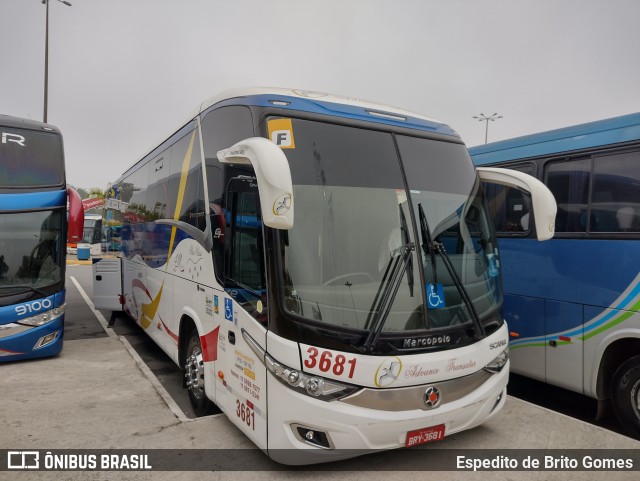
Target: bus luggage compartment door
{"type": "Point", "coordinates": [107, 284]}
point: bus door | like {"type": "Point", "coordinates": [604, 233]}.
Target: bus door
{"type": "Point", "coordinates": [243, 376]}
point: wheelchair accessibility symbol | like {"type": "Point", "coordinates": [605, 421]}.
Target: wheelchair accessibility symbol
{"type": "Point", "coordinates": [435, 296]}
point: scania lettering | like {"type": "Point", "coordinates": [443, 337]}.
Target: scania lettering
{"type": "Point", "coordinates": [34, 227]}
{"type": "Point", "coordinates": [498, 344]}
{"type": "Point", "coordinates": [292, 282]}
{"type": "Point", "coordinates": [574, 312]}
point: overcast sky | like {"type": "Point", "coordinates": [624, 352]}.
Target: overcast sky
{"type": "Point", "coordinates": [123, 74]}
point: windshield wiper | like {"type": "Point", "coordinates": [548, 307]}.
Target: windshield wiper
{"type": "Point", "coordinates": [433, 247]}
{"type": "Point", "coordinates": [30, 288]}
{"type": "Point", "coordinates": [386, 294]}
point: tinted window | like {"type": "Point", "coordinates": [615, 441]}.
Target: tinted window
{"type": "Point", "coordinates": [31, 250]}
{"type": "Point", "coordinates": [510, 207]}
{"type": "Point", "coordinates": [437, 166]}
{"type": "Point", "coordinates": [137, 189]}
{"type": "Point", "coordinates": [569, 183]}
{"type": "Point", "coordinates": [185, 158]}
{"type": "Point", "coordinates": [332, 155]}
{"type": "Point", "coordinates": [30, 158]}
{"type": "Point", "coordinates": [245, 273]}
{"type": "Point", "coordinates": [221, 129]}
{"type": "Point", "coordinates": [615, 205]}
{"type": "Point", "coordinates": [159, 203]}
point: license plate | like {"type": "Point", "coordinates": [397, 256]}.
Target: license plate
{"type": "Point", "coordinates": [425, 435]}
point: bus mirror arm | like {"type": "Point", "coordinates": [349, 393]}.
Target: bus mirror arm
{"type": "Point", "coordinates": [273, 174]}
{"type": "Point", "coordinates": [202, 238]}
{"type": "Point", "coordinates": [544, 204]}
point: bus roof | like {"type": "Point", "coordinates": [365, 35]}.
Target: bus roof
{"type": "Point", "coordinates": [329, 104]}
{"type": "Point", "coordinates": [20, 123]}
{"type": "Point", "coordinates": [311, 101]}
{"type": "Point", "coordinates": [616, 130]}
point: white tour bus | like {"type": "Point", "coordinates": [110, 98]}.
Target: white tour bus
{"type": "Point", "coordinates": [368, 320]}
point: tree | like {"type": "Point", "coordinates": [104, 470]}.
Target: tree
{"type": "Point", "coordinates": [96, 192]}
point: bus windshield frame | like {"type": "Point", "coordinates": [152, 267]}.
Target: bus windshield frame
{"type": "Point", "coordinates": [329, 289]}
{"type": "Point", "coordinates": [32, 254]}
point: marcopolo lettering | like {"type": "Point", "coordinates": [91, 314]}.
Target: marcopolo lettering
{"type": "Point", "coordinates": [426, 341]}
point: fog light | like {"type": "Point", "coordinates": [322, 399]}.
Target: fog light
{"type": "Point", "coordinates": [312, 436]}
{"type": "Point", "coordinates": [46, 340]}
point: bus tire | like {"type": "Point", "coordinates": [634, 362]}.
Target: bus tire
{"type": "Point", "coordinates": [625, 393]}
{"type": "Point", "coordinates": [194, 376]}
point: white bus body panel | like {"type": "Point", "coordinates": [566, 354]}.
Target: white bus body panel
{"type": "Point", "coordinates": [241, 391]}
{"type": "Point", "coordinates": [353, 427]}
{"type": "Point", "coordinates": [107, 284]}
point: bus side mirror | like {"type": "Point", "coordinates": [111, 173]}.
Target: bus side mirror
{"type": "Point", "coordinates": [544, 204]}
{"type": "Point", "coordinates": [273, 174]}
{"type": "Point", "coordinates": [76, 216]}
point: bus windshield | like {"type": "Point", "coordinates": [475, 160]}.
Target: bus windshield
{"type": "Point", "coordinates": [29, 158]}
{"type": "Point", "coordinates": [31, 251]}
{"type": "Point", "coordinates": [356, 258]}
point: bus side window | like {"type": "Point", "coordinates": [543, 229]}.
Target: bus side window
{"type": "Point", "coordinates": [509, 207]}
{"type": "Point", "coordinates": [569, 183]}
{"type": "Point", "coordinates": [221, 128]}
{"type": "Point", "coordinates": [615, 202]}
{"type": "Point", "coordinates": [245, 277]}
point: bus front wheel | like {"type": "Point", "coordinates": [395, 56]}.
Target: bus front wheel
{"type": "Point", "coordinates": [194, 376]}
{"type": "Point", "coordinates": [625, 392]}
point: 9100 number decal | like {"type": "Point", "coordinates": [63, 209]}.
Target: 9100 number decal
{"type": "Point", "coordinates": [325, 362]}
{"type": "Point", "coordinates": [246, 413]}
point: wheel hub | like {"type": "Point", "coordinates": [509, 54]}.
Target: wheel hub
{"type": "Point", "coordinates": [194, 373]}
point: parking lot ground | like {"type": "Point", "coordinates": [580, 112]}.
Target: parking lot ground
{"type": "Point", "coordinates": [97, 394]}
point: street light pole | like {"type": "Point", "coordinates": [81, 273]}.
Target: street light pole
{"type": "Point", "coordinates": [484, 118]}
{"type": "Point", "coordinates": [46, 58]}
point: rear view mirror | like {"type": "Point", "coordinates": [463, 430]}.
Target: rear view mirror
{"type": "Point", "coordinates": [273, 174]}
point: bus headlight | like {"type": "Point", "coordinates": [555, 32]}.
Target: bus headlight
{"type": "Point", "coordinates": [498, 363]}
{"type": "Point", "coordinates": [42, 318]}
{"type": "Point", "coordinates": [311, 385]}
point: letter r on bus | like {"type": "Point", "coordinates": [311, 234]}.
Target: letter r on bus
{"type": "Point", "coordinates": [18, 139]}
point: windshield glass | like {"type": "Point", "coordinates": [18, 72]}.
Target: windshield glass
{"type": "Point", "coordinates": [31, 250]}
{"type": "Point", "coordinates": [442, 180]}
{"type": "Point", "coordinates": [30, 158]}
{"type": "Point", "coordinates": [352, 259]}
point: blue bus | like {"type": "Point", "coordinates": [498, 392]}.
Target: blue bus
{"type": "Point", "coordinates": [572, 303]}
{"type": "Point", "coordinates": [34, 226]}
